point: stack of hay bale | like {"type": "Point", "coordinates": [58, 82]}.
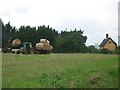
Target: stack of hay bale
{"type": "Point", "coordinates": [44, 45]}
{"type": "Point", "coordinates": [15, 46]}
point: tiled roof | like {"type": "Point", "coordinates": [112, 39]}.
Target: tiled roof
{"type": "Point", "coordinates": [105, 41]}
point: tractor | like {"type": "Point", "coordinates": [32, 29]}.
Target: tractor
{"type": "Point", "coordinates": [27, 48]}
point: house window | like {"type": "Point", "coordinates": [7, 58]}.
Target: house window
{"type": "Point", "coordinates": [109, 42]}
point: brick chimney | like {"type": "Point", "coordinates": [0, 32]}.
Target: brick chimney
{"type": "Point", "coordinates": [107, 36]}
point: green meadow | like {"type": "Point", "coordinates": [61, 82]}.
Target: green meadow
{"type": "Point", "coordinates": [60, 71]}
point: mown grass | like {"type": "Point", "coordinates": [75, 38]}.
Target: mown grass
{"type": "Point", "coordinates": [60, 70]}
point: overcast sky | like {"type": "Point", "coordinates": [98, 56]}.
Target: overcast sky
{"type": "Point", "coordinates": [95, 17]}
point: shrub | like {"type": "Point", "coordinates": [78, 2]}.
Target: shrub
{"type": "Point", "coordinates": [105, 51]}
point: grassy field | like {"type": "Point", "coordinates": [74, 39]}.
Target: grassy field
{"type": "Point", "coordinates": [60, 70]}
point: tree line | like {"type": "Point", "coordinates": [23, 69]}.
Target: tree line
{"type": "Point", "coordinates": [64, 42]}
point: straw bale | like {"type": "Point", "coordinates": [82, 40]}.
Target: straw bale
{"type": "Point", "coordinates": [16, 42]}
{"type": "Point", "coordinates": [43, 40]}
{"type": "Point", "coordinates": [39, 46]}
{"type": "Point", "coordinates": [48, 42]}
{"type": "Point", "coordinates": [43, 46]}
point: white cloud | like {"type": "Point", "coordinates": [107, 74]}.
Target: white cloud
{"type": "Point", "coordinates": [21, 10]}
{"type": "Point", "coordinates": [5, 12]}
{"type": "Point", "coordinates": [96, 17]}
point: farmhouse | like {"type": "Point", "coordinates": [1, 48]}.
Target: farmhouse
{"type": "Point", "coordinates": [108, 43]}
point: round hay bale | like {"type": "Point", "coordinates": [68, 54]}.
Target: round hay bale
{"type": "Point", "coordinates": [16, 42]}
{"type": "Point", "coordinates": [43, 40]}
{"type": "Point", "coordinates": [51, 48]}
{"type": "Point", "coordinates": [48, 42]}
{"type": "Point", "coordinates": [45, 46]}
{"type": "Point", "coordinates": [39, 46]}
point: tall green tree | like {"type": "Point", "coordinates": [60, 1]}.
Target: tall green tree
{"type": "Point", "coordinates": [7, 32]}
{"type": "Point", "coordinates": [26, 34]}
{"type": "Point", "coordinates": [65, 42]}
{"type": "Point", "coordinates": [92, 49]}
{"type": "Point", "coordinates": [72, 42]}
{"type": "Point", "coordinates": [47, 32]}
{"type": "Point", "coordinates": [0, 33]}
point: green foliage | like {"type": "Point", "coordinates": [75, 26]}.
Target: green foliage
{"type": "Point", "coordinates": [27, 34]}
{"type": "Point", "coordinates": [7, 32]}
{"type": "Point", "coordinates": [92, 49]}
{"type": "Point", "coordinates": [46, 32]}
{"type": "Point", "coordinates": [71, 42]}
{"type": "Point", "coordinates": [66, 41]}
{"type": "Point", "coordinates": [0, 33]}
{"type": "Point", "coordinates": [117, 51]}
{"type": "Point", "coordinates": [105, 51]}
{"type": "Point", "coordinates": [59, 71]}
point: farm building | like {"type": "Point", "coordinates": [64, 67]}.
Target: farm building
{"type": "Point", "coordinates": [108, 43]}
